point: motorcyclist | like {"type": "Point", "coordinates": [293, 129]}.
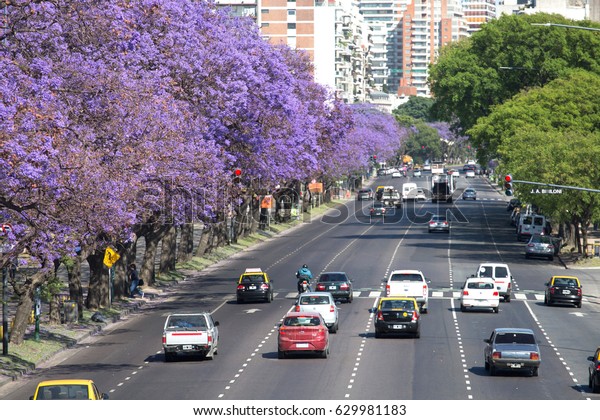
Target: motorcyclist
{"type": "Point", "coordinates": [302, 274]}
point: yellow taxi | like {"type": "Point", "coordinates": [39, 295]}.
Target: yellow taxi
{"type": "Point", "coordinates": [254, 284]}
{"type": "Point", "coordinates": [397, 315]}
{"type": "Point", "coordinates": [68, 389]}
{"type": "Point", "coordinates": [563, 290]}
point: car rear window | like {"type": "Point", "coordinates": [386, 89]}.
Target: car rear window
{"type": "Point", "coordinates": [297, 321]}
{"type": "Point", "coordinates": [480, 285]}
{"type": "Point", "coordinates": [314, 300]}
{"type": "Point", "coordinates": [538, 221]}
{"type": "Point", "coordinates": [332, 277]}
{"type": "Point", "coordinates": [398, 304]}
{"type": "Point", "coordinates": [526, 220]}
{"type": "Point", "coordinates": [253, 278]}
{"type": "Point", "coordinates": [501, 272]}
{"type": "Point", "coordinates": [566, 282]}
{"type": "Point", "coordinates": [406, 277]}
{"type": "Point", "coordinates": [187, 322]}
{"type": "Point", "coordinates": [63, 392]}
{"type": "Point", "coordinates": [514, 338]}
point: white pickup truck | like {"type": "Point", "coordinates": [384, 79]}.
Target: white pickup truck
{"type": "Point", "coordinates": [193, 333]}
{"type": "Point", "coordinates": [409, 283]}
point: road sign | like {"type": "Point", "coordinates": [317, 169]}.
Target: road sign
{"type": "Point", "coordinates": [546, 191]}
{"type": "Point", "coordinates": [110, 257]}
{"type": "Point", "coordinates": [6, 227]}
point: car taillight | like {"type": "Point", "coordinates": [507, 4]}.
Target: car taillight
{"type": "Point", "coordinates": [578, 292]}
{"type": "Point", "coordinates": [432, 223]}
{"type": "Point", "coordinates": [164, 339]}
{"type": "Point", "coordinates": [344, 286]}
{"type": "Point", "coordinates": [209, 336]}
{"type": "Point", "coordinates": [297, 308]}
{"type": "Point", "coordinates": [320, 287]}
{"type": "Point", "coordinates": [598, 367]}
{"type": "Point", "coordinates": [534, 356]}
{"type": "Point", "coordinates": [264, 286]}
{"type": "Point", "coordinates": [530, 245]}
{"type": "Point", "coordinates": [331, 308]}
{"type": "Point", "coordinates": [241, 287]}
{"type": "Point", "coordinates": [495, 293]}
{"type": "Point", "coordinates": [387, 290]}
{"type": "Point", "coordinates": [282, 330]}
{"type": "Point", "coordinates": [465, 293]}
{"type": "Point", "coordinates": [496, 355]}
{"type": "Point", "coordinates": [552, 290]}
{"type": "Point", "coordinates": [424, 290]}
{"type": "Point", "coordinates": [415, 316]}
{"type": "Point", "coordinates": [379, 315]}
{"type": "Point", "coordinates": [445, 223]}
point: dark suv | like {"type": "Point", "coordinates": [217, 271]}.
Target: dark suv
{"type": "Point", "coordinates": [336, 283]}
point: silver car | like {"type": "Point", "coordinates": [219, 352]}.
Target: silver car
{"type": "Point", "coordinates": [540, 246]}
{"type": "Point", "coordinates": [513, 349]}
{"type": "Point", "coordinates": [469, 194]}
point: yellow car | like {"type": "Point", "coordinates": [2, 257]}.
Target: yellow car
{"type": "Point", "coordinates": [254, 284]}
{"type": "Point", "coordinates": [397, 315]}
{"type": "Point", "coordinates": [68, 389]}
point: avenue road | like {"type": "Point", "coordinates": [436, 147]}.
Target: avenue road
{"type": "Point", "coordinates": [446, 363]}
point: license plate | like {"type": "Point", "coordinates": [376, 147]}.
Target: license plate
{"type": "Point", "coordinates": [302, 345]}
{"type": "Point", "coordinates": [331, 287]}
{"type": "Point", "coordinates": [515, 365]}
{"type": "Point", "coordinates": [398, 327]}
{"type": "Point", "coordinates": [566, 292]}
{"type": "Point", "coordinates": [251, 287]}
{"type": "Point", "coordinates": [187, 347]}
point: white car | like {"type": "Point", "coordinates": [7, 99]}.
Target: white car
{"type": "Point", "coordinates": [480, 293]}
{"type": "Point", "coordinates": [470, 174]}
{"type": "Point", "coordinates": [397, 174]}
{"type": "Point", "coordinates": [321, 302]}
{"type": "Point", "coordinates": [409, 283]}
{"type": "Point", "coordinates": [501, 275]}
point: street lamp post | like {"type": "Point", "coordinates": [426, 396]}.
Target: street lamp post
{"type": "Point", "coordinates": [566, 26]}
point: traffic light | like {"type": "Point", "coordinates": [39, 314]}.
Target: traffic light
{"type": "Point", "coordinates": [237, 174]}
{"type": "Point", "coordinates": [508, 187]}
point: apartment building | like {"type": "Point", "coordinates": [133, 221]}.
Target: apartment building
{"type": "Point", "coordinates": [478, 12]}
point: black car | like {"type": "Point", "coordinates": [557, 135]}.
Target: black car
{"type": "Point", "coordinates": [254, 284]}
{"type": "Point", "coordinates": [397, 315]}
{"type": "Point", "coordinates": [364, 194]}
{"type": "Point", "coordinates": [594, 372]}
{"type": "Point", "coordinates": [336, 283]}
{"type": "Point", "coordinates": [563, 289]}
{"type": "Point", "coordinates": [514, 202]}
{"type": "Point", "coordinates": [378, 209]}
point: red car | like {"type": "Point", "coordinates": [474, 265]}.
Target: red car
{"type": "Point", "coordinates": [303, 333]}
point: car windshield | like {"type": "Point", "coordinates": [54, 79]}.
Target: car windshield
{"type": "Point", "coordinates": [298, 321]}
{"type": "Point", "coordinates": [514, 338]}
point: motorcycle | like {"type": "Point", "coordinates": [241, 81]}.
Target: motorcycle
{"type": "Point", "coordinates": [303, 285]}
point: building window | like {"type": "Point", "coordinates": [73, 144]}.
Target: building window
{"type": "Point", "coordinates": [264, 11]}
{"type": "Point", "coordinates": [291, 12]}
{"type": "Point", "coordinates": [265, 25]}
{"type": "Point", "coordinates": [291, 26]}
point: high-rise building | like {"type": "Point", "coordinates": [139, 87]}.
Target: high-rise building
{"type": "Point", "coordinates": [478, 12]}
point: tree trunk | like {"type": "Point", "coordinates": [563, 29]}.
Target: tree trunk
{"type": "Point", "coordinates": [98, 290]}
{"type": "Point", "coordinates": [204, 240]}
{"type": "Point", "coordinates": [186, 243]}
{"type": "Point", "coordinates": [121, 282]}
{"type": "Point", "coordinates": [168, 250]}
{"type": "Point", "coordinates": [75, 287]}
{"type": "Point", "coordinates": [148, 271]}
{"type": "Point", "coordinates": [25, 292]}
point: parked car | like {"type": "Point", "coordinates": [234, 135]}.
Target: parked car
{"type": "Point", "coordinates": [397, 315]}
{"type": "Point", "coordinates": [365, 194]}
{"type": "Point", "coordinates": [479, 293]}
{"type": "Point", "coordinates": [540, 246]}
{"type": "Point", "coordinates": [68, 389]}
{"type": "Point", "coordinates": [563, 289]}
{"type": "Point", "coordinates": [514, 202]}
{"type": "Point", "coordinates": [469, 194]}
{"type": "Point", "coordinates": [321, 302]}
{"type": "Point", "coordinates": [337, 283]}
{"type": "Point", "coordinates": [594, 372]}
{"type": "Point", "coordinates": [303, 332]}
{"type": "Point", "coordinates": [378, 209]}
{"type": "Point", "coordinates": [254, 284]}
{"type": "Point", "coordinates": [438, 223]}
{"type": "Point", "coordinates": [501, 275]}
{"type": "Point", "coordinates": [409, 283]}
{"type": "Point", "coordinates": [512, 349]}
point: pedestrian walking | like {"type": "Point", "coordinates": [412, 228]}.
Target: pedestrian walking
{"type": "Point", "coordinates": [134, 282]}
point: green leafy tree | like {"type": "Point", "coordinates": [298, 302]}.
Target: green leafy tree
{"type": "Point", "coordinates": [506, 56]}
{"type": "Point", "coordinates": [551, 135]}
{"type": "Point", "coordinates": [417, 107]}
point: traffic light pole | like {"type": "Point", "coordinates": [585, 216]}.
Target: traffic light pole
{"type": "Point", "coordinates": [566, 187]}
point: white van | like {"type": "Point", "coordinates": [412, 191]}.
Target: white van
{"type": "Point", "coordinates": [501, 275]}
{"type": "Point", "coordinates": [531, 224]}
{"type": "Point", "coordinates": [407, 187]}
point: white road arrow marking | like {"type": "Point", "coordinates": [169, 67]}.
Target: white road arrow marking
{"type": "Point", "coordinates": [251, 311]}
